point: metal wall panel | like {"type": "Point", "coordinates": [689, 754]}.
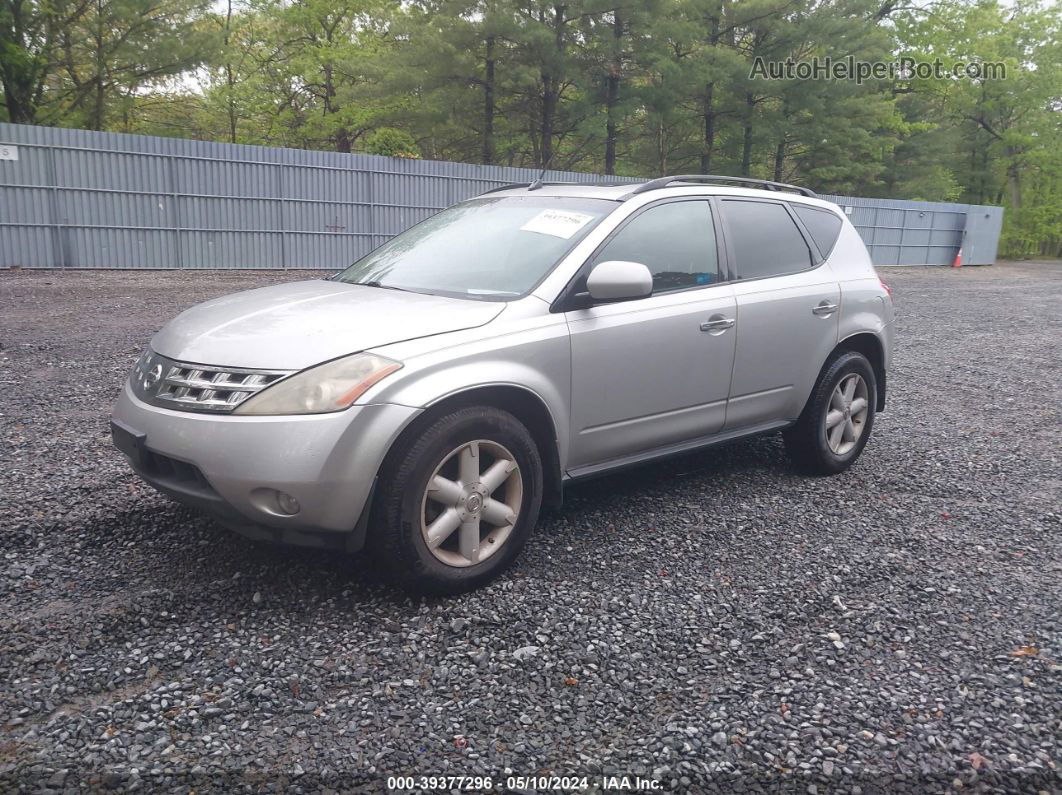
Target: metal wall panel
{"type": "Point", "coordinates": [230, 249]}
{"type": "Point", "coordinates": [113, 209]}
{"type": "Point", "coordinates": [98, 247]}
{"type": "Point", "coordinates": [923, 233]}
{"type": "Point", "coordinates": [981, 235]}
{"type": "Point", "coordinates": [81, 199]}
{"type": "Point", "coordinates": [303, 250]}
{"type": "Point", "coordinates": [25, 206]}
{"type": "Point", "coordinates": [317, 216]}
{"type": "Point", "coordinates": [26, 246]}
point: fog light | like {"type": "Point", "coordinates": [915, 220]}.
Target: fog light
{"type": "Point", "coordinates": [274, 502]}
{"type": "Point", "coordinates": [287, 504]}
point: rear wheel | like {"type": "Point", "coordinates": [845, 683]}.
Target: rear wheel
{"type": "Point", "coordinates": [457, 503]}
{"type": "Point", "coordinates": [836, 422]}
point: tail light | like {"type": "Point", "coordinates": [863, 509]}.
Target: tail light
{"type": "Point", "coordinates": [885, 287]}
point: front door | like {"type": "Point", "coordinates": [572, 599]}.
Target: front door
{"type": "Point", "coordinates": [654, 371]}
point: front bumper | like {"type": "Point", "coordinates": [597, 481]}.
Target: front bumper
{"type": "Point", "coordinates": [220, 464]}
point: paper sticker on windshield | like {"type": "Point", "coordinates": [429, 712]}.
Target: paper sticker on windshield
{"type": "Point", "coordinates": [559, 223]}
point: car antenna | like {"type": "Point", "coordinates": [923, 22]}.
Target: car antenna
{"type": "Point", "coordinates": [538, 183]}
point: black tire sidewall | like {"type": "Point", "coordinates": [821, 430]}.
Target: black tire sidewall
{"type": "Point", "coordinates": [402, 499]}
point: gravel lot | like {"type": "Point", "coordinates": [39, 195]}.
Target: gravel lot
{"type": "Point", "coordinates": [714, 622]}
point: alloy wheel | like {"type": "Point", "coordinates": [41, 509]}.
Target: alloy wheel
{"type": "Point", "coordinates": [471, 503]}
{"type": "Point", "coordinates": [847, 413]}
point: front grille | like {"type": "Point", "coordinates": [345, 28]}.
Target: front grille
{"type": "Point", "coordinates": [194, 387]}
{"type": "Point", "coordinates": [197, 387]}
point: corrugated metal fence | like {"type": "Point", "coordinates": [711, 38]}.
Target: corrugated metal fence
{"type": "Point", "coordinates": [901, 232]}
{"type": "Point", "coordinates": [81, 199]}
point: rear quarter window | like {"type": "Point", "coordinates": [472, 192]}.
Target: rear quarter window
{"type": "Point", "coordinates": [765, 239]}
{"type": "Point", "coordinates": [823, 226]}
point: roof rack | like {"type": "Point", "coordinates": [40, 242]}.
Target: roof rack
{"type": "Point", "coordinates": [664, 182]}
{"type": "Point", "coordinates": [538, 183]}
{"type": "Point", "coordinates": [533, 185]}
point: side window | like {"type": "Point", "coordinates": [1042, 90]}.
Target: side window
{"type": "Point", "coordinates": [676, 241]}
{"type": "Point", "coordinates": [824, 226]}
{"type": "Point", "coordinates": [765, 240]}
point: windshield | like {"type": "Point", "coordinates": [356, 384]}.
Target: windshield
{"type": "Point", "coordinates": [489, 249]}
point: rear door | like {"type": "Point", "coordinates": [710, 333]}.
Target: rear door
{"type": "Point", "coordinates": [655, 371]}
{"type": "Point", "coordinates": [788, 303]}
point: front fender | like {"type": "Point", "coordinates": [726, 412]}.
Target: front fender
{"type": "Point", "coordinates": [536, 359]}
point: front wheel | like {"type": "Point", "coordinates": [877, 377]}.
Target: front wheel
{"type": "Point", "coordinates": [836, 422]}
{"type": "Point", "coordinates": [457, 503]}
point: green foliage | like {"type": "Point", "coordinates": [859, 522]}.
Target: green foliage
{"type": "Point", "coordinates": [1004, 137]}
{"type": "Point", "coordinates": [617, 86]}
{"type": "Point", "coordinates": [392, 143]}
{"type": "Point", "coordinates": [84, 63]}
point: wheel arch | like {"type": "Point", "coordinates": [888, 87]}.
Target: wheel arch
{"type": "Point", "coordinates": [522, 403]}
{"type": "Point", "coordinates": [868, 344]}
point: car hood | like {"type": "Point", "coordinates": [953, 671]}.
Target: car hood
{"type": "Point", "coordinates": [292, 326]}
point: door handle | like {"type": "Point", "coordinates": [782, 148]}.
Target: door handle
{"type": "Point", "coordinates": [717, 324]}
{"type": "Point", "coordinates": [824, 309]}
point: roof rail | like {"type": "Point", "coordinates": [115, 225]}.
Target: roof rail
{"type": "Point", "coordinates": [538, 183]}
{"type": "Point", "coordinates": [533, 185]}
{"type": "Point", "coordinates": [664, 182]}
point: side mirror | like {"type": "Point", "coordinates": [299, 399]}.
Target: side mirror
{"type": "Point", "coordinates": [617, 280]}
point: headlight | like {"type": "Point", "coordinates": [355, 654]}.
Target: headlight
{"type": "Point", "coordinates": [328, 387]}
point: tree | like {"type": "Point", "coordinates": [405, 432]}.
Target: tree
{"type": "Point", "coordinates": [449, 68]}
{"type": "Point", "coordinates": [29, 37]}
{"type": "Point", "coordinates": [641, 87]}
{"type": "Point", "coordinates": [119, 48]}
{"type": "Point", "coordinates": [1007, 130]}
{"type": "Point", "coordinates": [391, 142]}
{"type": "Point", "coordinates": [550, 91]}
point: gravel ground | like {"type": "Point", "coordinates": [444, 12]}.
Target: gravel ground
{"type": "Point", "coordinates": [714, 622]}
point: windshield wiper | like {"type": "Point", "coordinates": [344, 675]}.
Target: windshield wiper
{"type": "Point", "coordinates": [376, 283]}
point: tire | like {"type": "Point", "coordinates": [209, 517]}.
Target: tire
{"type": "Point", "coordinates": [405, 510]}
{"type": "Point", "coordinates": [810, 443]}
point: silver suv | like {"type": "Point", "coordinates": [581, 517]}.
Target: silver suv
{"type": "Point", "coordinates": [430, 400]}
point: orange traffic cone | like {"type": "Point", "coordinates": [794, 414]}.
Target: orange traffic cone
{"type": "Point", "coordinates": [958, 259]}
